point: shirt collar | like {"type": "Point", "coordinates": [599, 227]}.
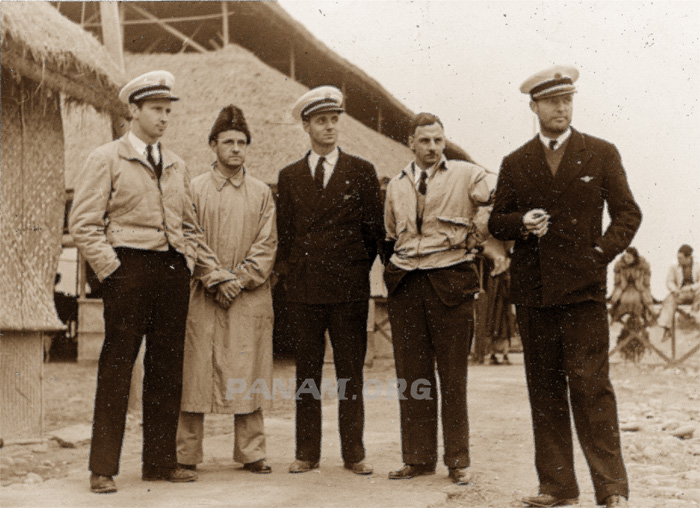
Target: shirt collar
{"type": "Point", "coordinates": [331, 158]}
{"type": "Point", "coordinates": [560, 140]}
{"type": "Point", "coordinates": [220, 180]}
{"type": "Point", "coordinates": [140, 146]}
{"type": "Point", "coordinates": [413, 169]}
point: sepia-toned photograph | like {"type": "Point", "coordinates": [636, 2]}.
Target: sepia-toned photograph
{"type": "Point", "coordinates": [350, 253]}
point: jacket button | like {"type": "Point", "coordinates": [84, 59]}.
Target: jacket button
{"type": "Point", "coordinates": [576, 246]}
{"type": "Point", "coordinates": [574, 221]}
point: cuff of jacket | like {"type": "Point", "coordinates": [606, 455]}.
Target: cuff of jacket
{"type": "Point", "coordinates": [215, 277]}
{"type": "Point", "coordinates": [108, 269]}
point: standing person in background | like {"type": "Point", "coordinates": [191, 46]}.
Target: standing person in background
{"type": "Point", "coordinates": [133, 220]}
{"type": "Point", "coordinates": [550, 198]}
{"type": "Point", "coordinates": [683, 282]}
{"type": "Point", "coordinates": [329, 222]}
{"type": "Point", "coordinates": [228, 346]}
{"type": "Point", "coordinates": [431, 278]}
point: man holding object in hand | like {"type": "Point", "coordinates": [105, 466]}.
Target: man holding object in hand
{"type": "Point", "coordinates": [550, 198]}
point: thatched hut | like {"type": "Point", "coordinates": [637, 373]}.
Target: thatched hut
{"type": "Point", "coordinates": [46, 58]}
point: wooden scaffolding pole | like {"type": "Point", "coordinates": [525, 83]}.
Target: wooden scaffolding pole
{"type": "Point", "coordinates": [224, 23]}
{"type": "Point", "coordinates": [166, 27]}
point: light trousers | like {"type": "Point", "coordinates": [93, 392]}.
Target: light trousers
{"type": "Point", "coordinates": [248, 437]}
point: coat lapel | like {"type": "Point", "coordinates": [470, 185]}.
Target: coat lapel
{"type": "Point", "coordinates": [537, 172]}
{"type": "Point", "coordinates": [308, 193]}
{"type": "Point", "coordinates": [338, 182]}
{"type": "Point", "coordinates": [575, 159]}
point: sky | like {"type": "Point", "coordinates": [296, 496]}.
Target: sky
{"type": "Point", "coordinates": [639, 85]}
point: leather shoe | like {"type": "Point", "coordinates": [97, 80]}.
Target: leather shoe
{"type": "Point", "coordinates": [101, 484]}
{"type": "Point", "coordinates": [615, 501]}
{"type": "Point", "coordinates": [302, 466]}
{"type": "Point", "coordinates": [258, 467]}
{"type": "Point", "coordinates": [360, 467]}
{"type": "Point", "coordinates": [409, 471]}
{"type": "Point", "coordinates": [547, 501]}
{"type": "Point", "coordinates": [459, 475]}
{"type": "Point", "coordinates": [191, 467]}
{"type": "Point", "coordinates": [176, 475]}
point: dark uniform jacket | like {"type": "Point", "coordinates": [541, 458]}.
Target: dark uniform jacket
{"type": "Point", "coordinates": [563, 267]}
{"type": "Point", "coordinates": [328, 240]}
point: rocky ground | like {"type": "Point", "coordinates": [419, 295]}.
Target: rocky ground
{"type": "Point", "coordinates": [659, 411]}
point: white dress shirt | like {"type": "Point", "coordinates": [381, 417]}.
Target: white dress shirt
{"type": "Point", "coordinates": [328, 164]}
{"type": "Point", "coordinates": [140, 147]}
{"type": "Point", "coordinates": [559, 141]}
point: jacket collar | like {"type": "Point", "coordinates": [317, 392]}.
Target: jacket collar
{"type": "Point", "coordinates": [410, 168]}
{"type": "Point", "coordinates": [127, 151]}
{"type": "Point", "coordinates": [220, 180]}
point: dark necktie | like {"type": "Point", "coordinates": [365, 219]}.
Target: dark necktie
{"type": "Point", "coordinates": [318, 174]}
{"type": "Point", "coordinates": [423, 183]}
{"type": "Point", "coordinates": [552, 144]}
{"type": "Point", "coordinates": [156, 167]}
{"type": "Point", "coordinates": [422, 189]}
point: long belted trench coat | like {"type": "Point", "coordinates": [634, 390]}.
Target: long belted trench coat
{"type": "Point", "coordinates": [228, 352]}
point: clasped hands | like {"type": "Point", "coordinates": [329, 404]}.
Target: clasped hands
{"type": "Point", "coordinates": [536, 221]}
{"type": "Point", "coordinates": [226, 292]}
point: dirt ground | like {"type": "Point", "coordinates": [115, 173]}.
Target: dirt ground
{"type": "Point", "coordinates": [654, 403]}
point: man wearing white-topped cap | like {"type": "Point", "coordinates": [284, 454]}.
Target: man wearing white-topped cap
{"type": "Point", "coordinates": [550, 198]}
{"type": "Point", "coordinates": [329, 223]}
{"type": "Point", "coordinates": [134, 222]}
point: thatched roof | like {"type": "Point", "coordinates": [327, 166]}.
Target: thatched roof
{"type": "Point", "coordinates": [40, 44]}
{"type": "Point", "coordinates": [268, 31]}
{"type": "Point", "coordinates": [207, 82]}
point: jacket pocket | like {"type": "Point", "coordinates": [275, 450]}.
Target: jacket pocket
{"type": "Point", "coordinates": [120, 206]}
{"type": "Point", "coordinates": [455, 229]}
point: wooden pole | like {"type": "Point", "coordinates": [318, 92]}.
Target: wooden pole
{"type": "Point", "coordinates": [166, 27]}
{"type": "Point", "coordinates": [224, 23]}
{"type": "Point", "coordinates": [111, 31]}
{"type": "Point", "coordinates": [292, 63]}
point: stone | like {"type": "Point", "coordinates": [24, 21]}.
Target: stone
{"type": "Point", "coordinates": [33, 479]}
{"type": "Point", "coordinates": [684, 432]}
{"type": "Point", "coordinates": [630, 427]}
{"type": "Point", "coordinates": [670, 425]}
{"type": "Point", "coordinates": [70, 437]}
{"type": "Point", "coordinates": [40, 448]}
{"type": "Point", "coordinates": [650, 452]}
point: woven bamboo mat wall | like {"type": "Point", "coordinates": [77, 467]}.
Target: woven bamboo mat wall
{"type": "Point", "coordinates": [31, 210]}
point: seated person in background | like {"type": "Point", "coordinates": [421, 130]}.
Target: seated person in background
{"type": "Point", "coordinates": [683, 282]}
{"type": "Point", "coordinates": [632, 293]}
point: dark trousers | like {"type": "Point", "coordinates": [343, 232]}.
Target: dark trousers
{"type": "Point", "coordinates": [347, 327]}
{"type": "Point", "coordinates": [147, 295]}
{"type": "Point", "coordinates": [566, 361]}
{"type": "Point", "coordinates": [424, 332]}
